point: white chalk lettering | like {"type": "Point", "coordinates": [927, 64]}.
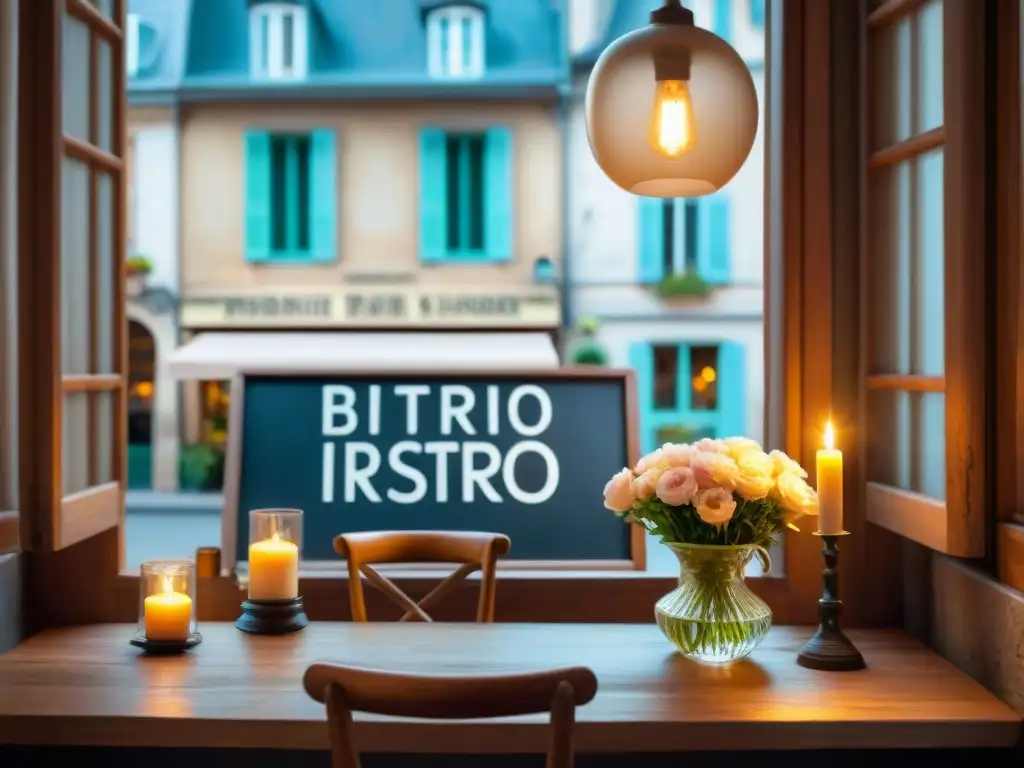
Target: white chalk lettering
{"type": "Point", "coordinates": [509, 472]}
{"type": "Point", "coordinates": [375, 409]}
{"type": "Point", "coordinates": [456, 411]}
{"type": "Point", "coordinates": [473, 476]}
{"type": "Point", "coordinates": [492, 409]}
{"type": "Point", "coordinates": [327, 482]}
{"type": "Point", "coordinates": [399, 467]}
{"type": "Point", "coordinates": [412, 393]}
{"type": "Point", "coordinates": [441, 450]}
{"type": "Point", "coordinates": [360, 477]}
{"type": "Point", "coordinates": [516, 420]}
{"type": "Point", "coordinates": [331, 408]}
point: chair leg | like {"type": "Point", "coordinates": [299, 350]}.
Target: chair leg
{"type": "Point", "coordinates": [563, 719]}
{"type": "Point", "coordinates": [339, 722]}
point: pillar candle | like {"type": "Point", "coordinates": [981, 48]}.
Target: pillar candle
{"type": "Point", "coordinates": [168, 615]}
{"type": "Point", "coordinates": [273, 569]}
{"type": "Point", "coordinates": [830, 485]}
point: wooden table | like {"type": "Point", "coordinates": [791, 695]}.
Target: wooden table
{"type": "Point", "coordinates": [87, 686]}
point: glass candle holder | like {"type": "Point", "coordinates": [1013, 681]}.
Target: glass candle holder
{"type": "Point", "coordinates": [167, 601]}
{"type": "Point", "coordinates": [275, 540]}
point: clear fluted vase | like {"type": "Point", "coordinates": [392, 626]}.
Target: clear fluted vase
{"type": "Point", "coordinates": [713, 617]}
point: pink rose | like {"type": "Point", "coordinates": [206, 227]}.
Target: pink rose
{"type": "Point", "coordinates": [714, 470]}
{"type": "Point", "coordinates": [715, 506]}
{"type": "Point", "coordinates": [677, 454]}
{"type": "Point", "coordinates": [677, 486]}
{"type": "Point", "coordinates": [710, 445]}
{"type": "Point", "coordinates": [644, 486]}
{"type": "Point", "coordinates": [618, 493]}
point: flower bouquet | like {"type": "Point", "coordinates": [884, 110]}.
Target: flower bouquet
{"type": "Point", "coordinates": [716, 504]}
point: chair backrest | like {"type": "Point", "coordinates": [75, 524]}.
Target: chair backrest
{"type": "Point", "coordinates": [474, 551]}
{"type": "Point", "coordinates": [346, 689]}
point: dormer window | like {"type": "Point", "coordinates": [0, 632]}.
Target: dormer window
{"type": "Point", "coordinates": [278, 41]}
{"type": "Point", "coordinates": [455, 41]}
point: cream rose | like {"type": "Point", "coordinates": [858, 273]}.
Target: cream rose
{"type": "Point", "coordinates": [677, 486]}
{"type": "Point", "coordinates": [715, 506]}
{"type": "Point", "coordinates": [676, 455]}
{"type": "Point", "coordinates": [756, 477]}
{"type": "Point", "coordinates": [740, 446]}
{"type": "Point", "coordinates": [652, 459]}
{"type": "Point", "coordinates": [714, 469]}
{"type": "Point", "coordinates": [645, 485]}
{"type": "Point", "coordinates": [618, 492]}
{"type": "Point", "coordinates": [795, 496]}
{"type": "Point", "coordinates": [710, 445]}
{"type": "Point", "coordinates": [785, 465]}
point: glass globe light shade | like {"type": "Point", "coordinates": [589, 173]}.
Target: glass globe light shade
{"type": "Point", "coordinates": [626, 103]}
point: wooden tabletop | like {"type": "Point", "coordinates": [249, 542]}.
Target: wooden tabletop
{"type": "Point", "coordinates": [87, 686]}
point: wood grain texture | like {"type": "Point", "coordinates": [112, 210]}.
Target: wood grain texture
{"type": "Point", "coordinates": [88, 686]}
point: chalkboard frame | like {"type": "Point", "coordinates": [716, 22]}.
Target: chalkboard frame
{"type": "Point", "coordinates": [233, 459]}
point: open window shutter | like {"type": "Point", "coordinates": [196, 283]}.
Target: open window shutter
{"type": "Point", "coordinates": [323, 196]}
{"type": "Point", "coordinates": [714, 239]}
{"type": "Point", "coordinates": [257, 195]}
{"type": "Point", "coordinates": [723, 19]}
{"type": "Point", "coordinates": [433, 196]}
{"type": "Point", "coordinates": [650, 239]}
{"type": "Point", "coordinates": [498, 194]}
{"type": "Point", "coordinates": [757, 13]}
{"type": "Point", "coordinates": [641, 360]}
{"type": "Point", "coordinates": [732, 389]}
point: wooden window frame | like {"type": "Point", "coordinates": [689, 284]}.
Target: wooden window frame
{"type": "Point", "coordinates": [50, 520]}
{"type": "Point", "coordinates": [958, 525]}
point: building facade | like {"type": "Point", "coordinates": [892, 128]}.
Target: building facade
{"type": "Point", "coordinates": [673, 287]}
{"type": "Point", "coordinates": [153, 57]}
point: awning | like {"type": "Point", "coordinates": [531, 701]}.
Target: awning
{"type": "Point", "coordinates": [217, 356]}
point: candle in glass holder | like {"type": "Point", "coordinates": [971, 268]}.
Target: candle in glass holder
{"type": "Point", "coordinates": [273, 569]}
{"type": "Point", "coordinates": [830, 485]}
{"type": "Point", "coordinates": [168, 614]}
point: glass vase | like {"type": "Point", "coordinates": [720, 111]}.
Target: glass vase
{"type": "Point", "coordinates": [713, 617]}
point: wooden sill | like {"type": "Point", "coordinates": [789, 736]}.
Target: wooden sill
{"type": "Point", "coordinates": [1010, 554]}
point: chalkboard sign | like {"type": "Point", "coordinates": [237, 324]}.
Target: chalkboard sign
{"type": "Point", "coordinates": [522, 454]}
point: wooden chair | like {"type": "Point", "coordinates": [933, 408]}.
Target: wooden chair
{"type": "Point", "coordinates": [347, 689]}
{"type": "Point", "coordinates": [475, 552]}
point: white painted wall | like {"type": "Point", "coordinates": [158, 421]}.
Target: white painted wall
{"type": "Point", "coordinates": [154, 225]}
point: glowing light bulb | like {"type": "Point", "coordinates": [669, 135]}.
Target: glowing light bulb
{"type": "Point", "coordinates": [830, 436]}
{"type": "Point", "coordinates": [673, 125]}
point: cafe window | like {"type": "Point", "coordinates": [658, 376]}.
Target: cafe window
{"type": "Point", "coordinates": [455, 42]}
{"type": "Point", "coordinates": [278, 41]}
{"type": "Point", "coordinates": [688, 238]}
{"type": "Point", "coordinates": [925, 280]}
{"type": "Point", "coordinates": [679, 239]}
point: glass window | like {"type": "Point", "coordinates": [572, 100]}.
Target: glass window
{"type": "Point", "coordinates": [465, 190]}
{"type": "Point", "coordinates": [278, 41]}
{"type": "Point", "coordinates": [289, 189]}
{"type": "Point", "coordinates": [456, 42]}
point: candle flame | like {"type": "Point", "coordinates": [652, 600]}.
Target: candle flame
{"type": "Point", "coordinates": [275, 538]}
{"type": "Point", "coordinates": [168, 585]}
{"type": "Point", "coordinates": [830, 435]}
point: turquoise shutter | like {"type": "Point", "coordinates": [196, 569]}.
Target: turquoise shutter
{"type": "Point", "coordinates": [323, 196]}
{"type": "Point", "coordinates": [650, 239]}
{"type": "Point", "coordinates": [714, 239]}
{"type": "Point", "coordinates": [433, 196]}
{"type": "Point", "coordinates": [732, 389]}
{"type": "Point", "coordinates": [257, 195]}
{"type": "Point", "coordinates": [757, 13]}
{"type": "Point", "coordinates": [641, 360]}
{"type": "Point", "coordinates": [723, 19]}
{"type": "Point", "coordinates": [498, 194]}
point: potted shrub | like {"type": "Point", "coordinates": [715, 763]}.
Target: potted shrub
{"type": "Point", "coordinates": [588, 350]}
{"type": "Point", "coordinates": [137, 269]}
{"type": "Point", "coordinates": [683, 285]}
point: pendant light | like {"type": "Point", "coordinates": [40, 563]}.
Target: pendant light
{"type": "Point", "coordinates": [671, 108]}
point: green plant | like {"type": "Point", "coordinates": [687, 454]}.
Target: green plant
{"type": "Point", "coordinates": [202, 467]}
{"type": "Point", "coordinates": [683, 284]}
{"type": "Point", "coordinates": [589, 353]}
{"type": "Point", "coordinates": [588, 326]}
{"type": "Point", "coordinates": [137, 264]}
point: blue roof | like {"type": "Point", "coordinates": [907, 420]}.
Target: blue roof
{"type": "Point", "coordinates": [363, 48]}
{"type": "Point", "coordinates": [162, 29]}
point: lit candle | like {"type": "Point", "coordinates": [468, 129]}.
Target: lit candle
{"type": "Point", "coordinates": [273, 569]}
{"type": "Point", "coordinates": [830, 485]}
{"type": "Point", "coordinates": [168, 614]}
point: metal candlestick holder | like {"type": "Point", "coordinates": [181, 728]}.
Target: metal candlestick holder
{"type": "Point", "coordinates": [830, 650]}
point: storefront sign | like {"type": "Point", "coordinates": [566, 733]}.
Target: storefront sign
{"type": "Point", "coordinates": [351, 308]}
{"type": "Point", "coordinates": [494, 452]}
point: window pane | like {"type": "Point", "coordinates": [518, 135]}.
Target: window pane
{"type": "Point", "coordinates": [907, 441]}
{"type": "Point", "coordinates": [928, 274]}
{"type": "Point", "coordinates": [444, 26]}
{"type": "Point", "coordinates": [74, 442]}
{"type": "Point", "coordinates": [107, 268]}
{"type": "Point", "coordinates": [74, 270]}
{"type": "Point", "coordinates": [467, 42]}
{"type": "Point", "coordinates": [889, 259]}
{"type": "Point", "coordinates": [278, 192]}
{"type": "Point", "coordinates": [666, 377]}
{"type": "Point", "coordinates": [103, 402]}
{"type": "Point", "coordinates": [301, 192]}
{"type": "Point", "coordinates": [476, 193]}
{"type": "Point", "coordinates": [928, 77]}
{"type": "Point", "coordinates": [264, 43]}
{"type": "Point", "coordinates": [704, 378]}
{"type": "Point", "coordinates": [75, 78]}
{"type": "Point", "coordinates": [105, 93]}
{"type": "Point", "coordinates": [690, 237]}
{"type": "Point", "coordinates": [287, 41]}
{"type": "Point", "coordinates": [453, 157]}
{"type": "Point", "coordinates": [889, 86]}
{"type": "Point", "coordinates": [669, 236]}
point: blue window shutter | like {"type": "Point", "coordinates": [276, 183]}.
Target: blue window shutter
{"type": "Point", "coordinates": [433, 196]}
{"type": "Point", "coordinates": [650, 239]}
{"type": "Point", "coordinates": [714, 239]}
{"type": "Point", "coordinates": [498, 194]}
{"type": "Point", "coordinates": [723, 19]}
{"type": "Point", "coordinates": [257, 195]}
{"type": "Point", "coordinates": [757, 13]}
{"type": "Point", "coordinates": [323, 196]}
{"type": "Point", "coordinates": [732, 389]}
{"type": "Point", "coordinates": [641, 360]}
